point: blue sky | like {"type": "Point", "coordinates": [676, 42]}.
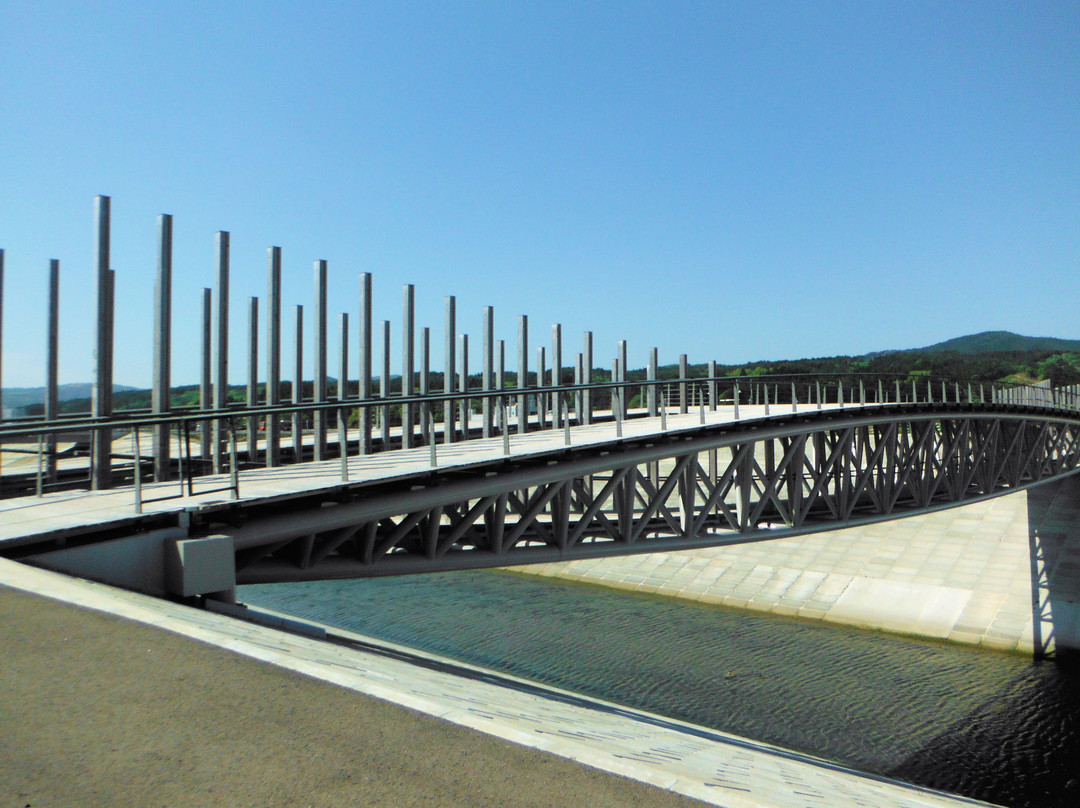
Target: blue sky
{"type": "Point", "coordinates": [736, 181]}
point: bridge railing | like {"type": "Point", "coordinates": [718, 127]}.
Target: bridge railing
{"type": "Point", "coordinates": [198, 442]}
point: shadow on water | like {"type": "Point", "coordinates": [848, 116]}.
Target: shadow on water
{"type": "Point", "coordinates": [1020, 748]}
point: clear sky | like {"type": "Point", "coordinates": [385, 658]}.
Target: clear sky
{"type": "Point", "coordinates": [735, 181]}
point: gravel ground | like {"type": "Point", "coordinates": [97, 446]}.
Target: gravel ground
{"type": "Point", "coordinates": [100, 711]}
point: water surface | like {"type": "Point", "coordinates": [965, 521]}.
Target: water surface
{"type": "Point", "coordinates": [993, 726]}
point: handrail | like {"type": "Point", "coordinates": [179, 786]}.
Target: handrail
{"type": "Point", "coordinates": [143, 418]}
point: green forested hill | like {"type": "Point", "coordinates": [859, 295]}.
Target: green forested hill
{"type": "Point", "coordinates": [1003, 341]}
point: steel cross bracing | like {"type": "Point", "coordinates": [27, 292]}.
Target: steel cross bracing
{"type": "Point", "coordinates": [702, 487]}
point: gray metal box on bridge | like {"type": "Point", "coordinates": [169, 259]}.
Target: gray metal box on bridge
{"type": "Point", "coordinates": [200, 566]}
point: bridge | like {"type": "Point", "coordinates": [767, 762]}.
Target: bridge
{"type": "Point", "coordinates": [552, 464]}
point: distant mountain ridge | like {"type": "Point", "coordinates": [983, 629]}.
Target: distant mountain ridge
{"type": "Point", "coordinates": [15, 397]}
{"type": "Point", "coordinates": [996, 341]}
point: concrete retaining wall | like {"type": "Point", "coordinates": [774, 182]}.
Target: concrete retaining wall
{"type": "Point", "coordinates": [1002, 574]}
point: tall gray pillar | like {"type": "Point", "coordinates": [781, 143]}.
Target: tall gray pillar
{"type": "Point", "coordinates": [650, 375]}
{"type": "Point", "coordinates": [616, 396]}
{"type": "Point", "coordinates": [586, 395]}
{"type": "Point", "coordinates": [425, 373]}
{"type": "Point", "coordinates": [463, 386]}
{"type": "Point", "coordinates": [384, 386]}
{"type": "Point", "coordinates": [450, 364]}
{"type": "Point", "coordinates": [523, 373]}
{"type": "Point", "coordinates": [541, 371]}
{"type": "Point", "coordinates": [408, 307]}
{"type": "Point", "coordinates": [52, 364]}
{"type": "Point", "coordinates": [713, 386]}
{"type": "Point", "coordinates": [488, 360]}
{"type": "Point", "coordinates": [101, 400]}
{"type": "Point", "coordinates": [160, 394]}
{"type": "Point", "coordinates": [365, 391]}
{"type": "Point", "coordinates": [273, 355]}
{"type": "Point", "coordinates": [298, 383]}
{"type": "Point", "coordinates": [221, 366]}
{"type": "Point", "coordinates": [343, 385]}
{"type": "Point", "coordinates": [624, 403]}
{"type": "Point", "coordinates": [556, 374]}
{"type": "Point", "coordinates": [253, 377]}
{"type": "Point", "coordinates": [319, 391]}
{"type": "Point", "coordinates": [683, 403]}
{"type": "Point", "coordinates": [579, 396]}
{"type": "Point", "coordinates": [205, 391]}
{"type": "Point", "coordinates": [500, 382]}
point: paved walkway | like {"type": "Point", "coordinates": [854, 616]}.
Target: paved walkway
{"type": "Point", "coordinates": [104, 711]}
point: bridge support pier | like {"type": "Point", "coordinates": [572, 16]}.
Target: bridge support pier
{"type": "Point", "coordinates": [164, 562]}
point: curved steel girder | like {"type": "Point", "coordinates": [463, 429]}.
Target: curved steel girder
{"type": "Point", "coordinates": [869, 464]}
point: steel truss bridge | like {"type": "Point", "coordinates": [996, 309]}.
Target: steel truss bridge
{"type": "Point", "coordinates": [691, 487]}
{"type": "Point", "coordinates": [722, 475]}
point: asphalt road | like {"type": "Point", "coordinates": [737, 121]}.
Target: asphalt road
{"type": "Point", "coordinates": [99, 711]}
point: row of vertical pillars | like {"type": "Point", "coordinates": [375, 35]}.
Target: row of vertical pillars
{"type": "Point", "coordinates": [215, 371]}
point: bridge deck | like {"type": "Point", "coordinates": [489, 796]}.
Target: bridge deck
{"type": "Point", "coordinates": [71, 512]}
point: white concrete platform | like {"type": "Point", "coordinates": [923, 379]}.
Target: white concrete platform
{"type": "Point", "coordinates": [712, 766]}
{"type": "Point", "coordinates": [979, 574]}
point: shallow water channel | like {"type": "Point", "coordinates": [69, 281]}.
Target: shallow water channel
{"type": "Point", "coordinates": [993, 726]}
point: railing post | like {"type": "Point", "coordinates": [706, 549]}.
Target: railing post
{"type": "Point", "coordinates": [737, 401]}
{"type": "Point", "coordinates": [794, 400]}
{"type": "Point", "coordinates": [713, 386]}
{"type": "Point", "coordinates": [563, 404]}
{"type": "Point", "coordinates": [663, 411]}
